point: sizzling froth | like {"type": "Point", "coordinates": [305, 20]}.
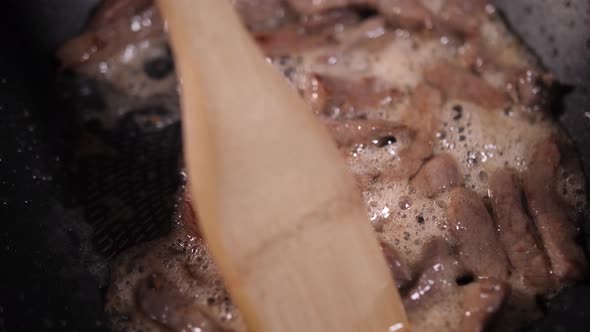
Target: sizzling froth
{"type": "Point", "coordinates": [436, 107]}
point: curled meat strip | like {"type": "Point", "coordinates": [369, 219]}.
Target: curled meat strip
{"type": "Point", "coordinates": [460, 16]}
{"type": "Point", "coordinates": [101, 42]}
{"type": "Point", "coordinates": [112, 10]}
{"type": "Point", "coordinates": [517, 233]}
{"type": "Point", "coordinates": [260, 15]}
{"type": "Point", "coordinates": [479, 249]}
{"type": "Point", "coordinates": [459, 83]}
{"type": "Point", "coordinates": [346, 98]}
{"type": "Point", "coordinates": [119, 23]}
{"type": "Point", "coordinates": [558, 233]}
{"type": "Point", "coordinates": [310, 7]}
{"type": "Point", "coordinates": [163, 303]}
{"type": "Point", "coordinates": [401, 149]}
{"type": "Point", "coordinates": [439, 271]}
{"type": "Point", "coordinates": [348, 134]}
{"type": "Point", "coordinates": [481, 301]}
{"type": "Point", "coordinates": [443, 274]}
{"type": "Point", "coordinates": [436, 175]}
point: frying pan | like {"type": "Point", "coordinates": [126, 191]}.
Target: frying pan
{"type": "Point", "coordinates": [63, 219]}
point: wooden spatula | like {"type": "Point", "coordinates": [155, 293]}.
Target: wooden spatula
{"type": "Point", "coordinates": [277, 205]}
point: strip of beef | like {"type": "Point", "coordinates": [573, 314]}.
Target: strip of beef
{"type": "Point", "coordinates": [423, 116]}
{"type": "Point", "coordinates": [395, 151]}
{"type": "Point", "coordinates": [439, 271]}
{"type": "Point", "coordinates": [368, 35]}
{"type": "Point", "coordinates": [399, 269]}
{"type": "Point", "coordinates": [436, 175]}
{"type": "Point", "coordinates": [531, 88]}
{"type": "Point", "coordinates": [443, 277]}
{"type": "Point", "coordinates": [517, 232]}
{"type": "Point", "coordinates": [289, 39]}
{"type": "Point", "coordinates": [481, 300]}
{"type": "Point", "coordinates": [352, 98]}
{"type": "Point", "coordinates": [163, 303]}
{"type": "Point", "coordinates": [459, 83]}
{"type": "Point", "coordinates": [461, 16]}
{"type": "Point", "coordinates": [556, 230]}
{"type": "Point", "coordinates": [351, 133]}
{"type": "Point", "coordinates": [261, 15]}
{"type": "Point", "coordinates": [310, 7]}
{"type": "Point", "coordinates": [104, 41]}
{"type": "Point", "coordinates": [408, 14]}
{"type": "Point", "coordinates": [112, 10]}
{"type": "Point", "coordinates": [119, 23]}
{"type": "Point", "coordinates": [479, 248]}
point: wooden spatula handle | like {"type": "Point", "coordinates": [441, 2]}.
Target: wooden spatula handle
{"type": "Point", "coordinates": [278, 207]}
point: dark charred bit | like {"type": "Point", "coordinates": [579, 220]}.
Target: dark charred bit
{"type": "Point", "coordinates": [464, 279]}
{"type": "Point", "coordinates": [384, 141]}
{"type": "Point", "coordinates": [159, 68]}
{"type": "Point", "coordinates": [420, 220]}
{"type": "Point", "coordinates": [365, 12]}
{"type": "Point", "coordinates": [457, 112]}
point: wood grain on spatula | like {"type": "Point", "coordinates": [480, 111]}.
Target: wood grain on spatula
{"type": "Point", "coordinates": [277, 205]}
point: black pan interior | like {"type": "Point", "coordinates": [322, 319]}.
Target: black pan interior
{"type": "Point", "coordinates": [45, 284]}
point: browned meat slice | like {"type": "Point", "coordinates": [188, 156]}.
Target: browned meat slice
{"type": "Point", "coordinates": [423, 116]}
{"type": "Point", "coordinates": [399, 269]}
{"type": "Point", "coordinates": [350, 133]}
{"type": "Point", "coordinates": [455, 15]}
{"type": "Point", "coordinates": [119, 23]}
{"type": "Point", "coordinates": [462, 16]}
{"type": "Point", "coordinates": [292, 38]}
{"type": "Point", "coordinates": [531, 88]}
{"type": "Point", "coordinates": [348, 98]}
{"type": "Point", "coordinates": [314, 93]}
{"type": "Point", "coordinates": [260, 15]}
{"type": "Point", "coordinates": [473, 228]}
{"type": "Point", "coordinates": [556, 230]}
{"type": "Point", "coordinates": [440, 270]}
{"type": "Point", "coordinates": [436, 175]}
{"type": "Point", "coordinates": [517, 232]}
{"type": "Point", "coordinates": [309, 7]}
{"type": "Point", "coordinates": [104, 41]}
{"type": "Point", "coordinates": [457, 82]}
{"type": "Point", "coordinates": [163, 303]}
{"type": "Point", "coordinates": [366, 35]}
{"type": "Point", "coordinates": [112, 10]}
{"type": "Point", "coordinates": [481, 300]}
{"type": "Point", "coordinates": [401, 149]}
{"type": "Point", "coordinates": [406, 14]}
